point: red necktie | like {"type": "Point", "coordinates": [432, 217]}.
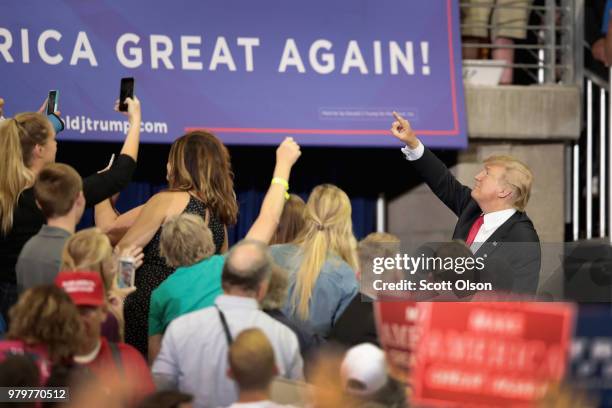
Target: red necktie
{"type": "Point", "coordinates": [474, 230]}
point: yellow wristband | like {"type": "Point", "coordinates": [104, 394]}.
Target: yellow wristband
{"type": "Point", "coordinates": [282, 182]}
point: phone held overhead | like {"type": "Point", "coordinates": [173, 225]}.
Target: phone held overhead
{"type": "Point", "coordinates": [126, 91]}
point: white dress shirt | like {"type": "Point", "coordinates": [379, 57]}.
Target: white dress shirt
{"type": "Point", "coordinates": [414, 154]}
{"type": "Point", "coordinates": [492, 220]}
{"type": "Point", "coordinates": [193, 356]}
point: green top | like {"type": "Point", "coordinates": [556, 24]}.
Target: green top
{"type": "Point", "coordinates": [188, 289]}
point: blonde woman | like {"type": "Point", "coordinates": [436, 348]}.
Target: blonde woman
{"type": "Point", "coordinates": [90, 250]}
{"type": "Point", "coordinates": [27, 144]}
{"type": "Point", "coordinates": [321, 261]}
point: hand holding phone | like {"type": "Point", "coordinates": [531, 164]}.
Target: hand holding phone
{"type": "Point", "coordinates": [126, 272]}
{"type": "Point", "coordinates": [126, 91]}
{"type": "Point", "coordinates": [52, 101]}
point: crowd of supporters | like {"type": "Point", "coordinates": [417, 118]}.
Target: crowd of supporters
{"type": "Point", "coordinates": [204, 324]}
{"type": "Point", "coordinates": [277, 319]}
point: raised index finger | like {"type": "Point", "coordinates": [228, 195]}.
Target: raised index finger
{"type": "Point", "coordinates": [398, 117]}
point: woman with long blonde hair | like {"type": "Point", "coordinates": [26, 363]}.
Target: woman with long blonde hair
{"type": "Point", "coordinates": [90, 250]}
{"type": "Point", "coordinates": [28, 143]}
{"type": "Point", "coordinates": [321, 261]}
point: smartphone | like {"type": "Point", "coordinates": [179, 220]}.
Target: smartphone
{"type": "Point", "coordinates": [56, 121]}
{"type": "Point", "coordinates": [52, 101]}
{"type": "Point", "coordinates": [126, 91]}
{"type": "Point", "coordinates": [127, 270]}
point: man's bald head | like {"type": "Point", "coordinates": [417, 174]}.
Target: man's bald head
{"type": "Point", "coordinates": [247, 266]}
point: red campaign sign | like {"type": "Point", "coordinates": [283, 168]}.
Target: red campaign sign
{"type": "Point", "coordinates": [397, 327]}
{"type": "Point", "coordinates": [490, 354]}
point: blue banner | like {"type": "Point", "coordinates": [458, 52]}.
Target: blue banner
{"type": "Point", "coordinates": [252, 72]}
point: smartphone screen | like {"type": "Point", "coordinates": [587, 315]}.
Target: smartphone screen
{"type": "Point", "coordinates": [125, 275]}
{"type": "Point", "coordinates": [127, 91]}
{"type": "Point", "coordinates": [52, 102]}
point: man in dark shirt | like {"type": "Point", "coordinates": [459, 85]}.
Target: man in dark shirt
{"type": "Point", "coordinates": [59, 194]}
{"type": "Point", "coordinates": [357, 325]}
{"type": "Point", "coordinates": [272, 305]}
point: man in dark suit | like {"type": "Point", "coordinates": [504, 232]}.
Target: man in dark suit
{"type": "Point", "coordinates": [492, 220]}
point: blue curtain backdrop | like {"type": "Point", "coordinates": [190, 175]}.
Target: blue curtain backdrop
{"type": "Point", "coordinates": [361, 173]}
{"type": "Point", "coordinates": [250, 200]}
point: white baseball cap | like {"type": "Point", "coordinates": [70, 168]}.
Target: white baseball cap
{"type": "Point", "coordinates": [364, 370]}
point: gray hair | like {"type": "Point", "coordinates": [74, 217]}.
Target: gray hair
{"type": "Point", "coordinates": [185, 240]}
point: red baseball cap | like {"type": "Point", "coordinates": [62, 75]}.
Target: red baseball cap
{"type": "Point", "coordinates": [85, 288]}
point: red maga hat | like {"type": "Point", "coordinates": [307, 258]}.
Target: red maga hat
{"type": "Point", "coordinates": [85, 288]}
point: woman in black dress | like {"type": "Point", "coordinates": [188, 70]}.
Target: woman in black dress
{"type": "Point", "coordinates": [27, 144]}
{"type": "Point", "coordinates": [200, 182]}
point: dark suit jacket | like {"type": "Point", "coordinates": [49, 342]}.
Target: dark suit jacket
{"type": "Point", "coordinates": [512, 253]}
